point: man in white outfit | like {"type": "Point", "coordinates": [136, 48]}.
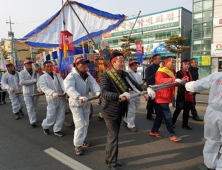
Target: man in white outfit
{"type": "Point", "coordinates": [28, 78]}
{"type": "Point", "coordinates": [51, 84]}
{"type": "Point", "coordinates": [213, 118]}
{"type": "Point", "coordinates": [77, 86]}
{"type": "Point", "coordinates": [134, 103]}
{"type": "Point", "coordinates": [10, 81]}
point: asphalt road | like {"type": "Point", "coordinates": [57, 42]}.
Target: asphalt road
{"type": "Point", "coordinates": [22, 147]}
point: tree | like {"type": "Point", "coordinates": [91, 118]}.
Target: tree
{"type": "Point", "coordinates": [126, 46]}
{"type": "Point", "coordinates": [175, 44]}
{"type": "Point", "coordinates": [4, 53]}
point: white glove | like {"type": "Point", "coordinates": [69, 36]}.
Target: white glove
{"type": "Point", "coordinates": [126, 95]}
{"type": "Point", "coordinates": [55, 95]}
{"type": "Point", "coordinates": [12, 90]}
{"type": "Point", "coordinates": [178, 80]}
{"type": "Point", "coordinates": [34, 80]}
{"type": "Point", "coordinates": [151, 93]}
{"type": "Point", "coordinates": [97, 93]}
{"type": "Point", "coordinates": [83, 99]}
{"type": "Point", "coordinates": [39, 90]}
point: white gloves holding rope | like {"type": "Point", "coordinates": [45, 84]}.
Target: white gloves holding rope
{"type": "Point", "coordinates": [150, 93]}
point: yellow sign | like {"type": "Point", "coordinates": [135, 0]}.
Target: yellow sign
{"type": "Point", "coordinates": [206, 60]}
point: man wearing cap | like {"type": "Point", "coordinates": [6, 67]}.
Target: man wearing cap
{"type": "Point", "coordinates": [194, 72]}
{"type": "Point", "coordinates": [165, 74]}
{"type": "Point", "coordinates": [51, 84]}
{"type": "Point", "coordinates": [10, 81]}
{"type": "Point", "coordinates": [134, 103]}
{"type": "Point", "coordinates": [77, 84]}
{"type": "Point", "coordinates": [150, 80]}
{"type": "Point", "coordinates": [28, 78]}
{"type": "Point", "coordinates": [115, 84]}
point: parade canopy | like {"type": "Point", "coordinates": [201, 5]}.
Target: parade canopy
{"type": "Point", "coordinates": [97, 22]}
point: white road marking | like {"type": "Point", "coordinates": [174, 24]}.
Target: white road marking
{"type": "Point", "coordinates": [73, 164]}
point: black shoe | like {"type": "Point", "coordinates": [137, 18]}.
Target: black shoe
{"type": "Point", "coordinates": [46, 131]}
{"type": "Point", "coordinates": [4, 102]}
{"type": "Point", "coordinates": [150, 117]}
{"type": "Point", "coordinates": [79, 151]}
{"type": "Point", "coordinates": [133, 129]}
{"type": "Point", "coordinates": [113, 168]}
{"type": "Point", "coordinates": [59, 133]}
{"type": "Point", "coordinates": [124, 123]}
{"type": "Point", "coordinates": [21, 112]}
{"type": "Point", "coordinates": [197, 118]}
{"type": "Point", "coordinates": [187, 127]}
{"type": "Point", "coordinates": [117, 163]}
{"type": "Point", "coordinates": [33, 124]}
{"type": "Point", "coordinates": [17, 116]}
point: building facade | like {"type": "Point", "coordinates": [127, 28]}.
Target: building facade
{"type": "Point", "coordinates": [153, 29]}
{"type": "Point", "coordinates": [207, 35]}
{"type": "Point", "coordinates": [216, 46]}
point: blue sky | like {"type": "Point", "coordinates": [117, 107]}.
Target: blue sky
{"type": "Point", "coordinates": [28, 14]}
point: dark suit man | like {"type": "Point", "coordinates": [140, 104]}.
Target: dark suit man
{"type": "Point", "coordinates": [114, 85]}
{"type": "Point", "coordinates": [150, 80]}
{"type": "Point", "coordinates": [194, 72]}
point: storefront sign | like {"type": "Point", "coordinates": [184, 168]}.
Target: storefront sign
{"type": "Point", "coordinates": [143, 29]}
{"type": "Point", "coordinates": [216, 50]}
{"type": "Point", "coordinates": [206, 60]}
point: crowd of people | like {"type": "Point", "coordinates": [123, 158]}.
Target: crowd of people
{"type": "Point", "coordinates": [115, 90]}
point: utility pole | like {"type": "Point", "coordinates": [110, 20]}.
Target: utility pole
{"type": "Point", "coordinates": [11, 34]}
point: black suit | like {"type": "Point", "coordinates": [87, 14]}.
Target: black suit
{"type": "Point", "coordinates": [112, 112]}
{"type": "Point", "coordinates": [195, 75]}
{"type": "Point", "coordinates": [150, 80]}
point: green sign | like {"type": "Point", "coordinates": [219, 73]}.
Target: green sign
{"type": "Point", "coordinates": [150, 28]}
{"type": "Point", "coordinates": [11, 34]}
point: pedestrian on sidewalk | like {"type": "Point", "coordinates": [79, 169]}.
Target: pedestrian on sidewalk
{"type": "Point", "coordinates": [115, 85]}
{"type": "Point", "coordinates": [212, 119]}
{"type": "Point", "coordinates": [194, 72]}
{"type": "Point", "coordinates": [164, 97]}
{"type": "Point", "coordinates": [134, 103]}
{"type": "Point", "coordinates": [77, 85]}
{"type": "Point", "coordinates": [150, 80]}
{"type": "Point", "coordinates": [10, 81]}
{"type": "Point", "coordinates": [51, 84]}
{"type": "Point", "coordinates": [184, 98]}
{"type": "Point", "coordinates": [28, 79]}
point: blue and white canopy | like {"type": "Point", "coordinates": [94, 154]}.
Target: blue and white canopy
{"type": "Point", "coordinates": [97, 22]}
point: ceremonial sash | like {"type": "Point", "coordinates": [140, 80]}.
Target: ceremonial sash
{"type": "Point", "coordinates": [166, 71]}
{"type": "Point", "coordinates": [117, 80]}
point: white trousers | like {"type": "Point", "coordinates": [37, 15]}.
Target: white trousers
{"type": "Point", "coordinates": [81, 121]}
{"type": "Point", "coordinates": [131, 114]}
{"type": "Point", "coordinates": [31, 106]}
{"type": "Point", "coordinates": [213, 136]}
{"type": "Point", "coordinates": [17, 102]}
{"type": "Point", "coordinates": [55, 114]}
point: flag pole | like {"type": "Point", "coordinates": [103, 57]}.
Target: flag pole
{"type": "Point", "coordinates": [81, 22]}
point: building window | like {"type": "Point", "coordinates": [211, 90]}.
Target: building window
{"type": "Point", "coordinates": [198, 7]}
{"type": "Point", "coordinates": [207, 5]}
{"type": "Point", "coordinates": [207, 31]}
{"type": "Point", "coordinates": [197, 31]}
{"type": "Point", "coordinates": [207, 16]}
{"type": "Point", "coordinates": [206, 46]}
{"type": "Point", "coordinates": [197, 45]}
{"type": "Point", "coordinates": [197, 18]}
